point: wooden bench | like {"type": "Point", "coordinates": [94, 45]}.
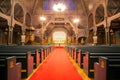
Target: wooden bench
{"type": "Point", "coordinates": [9, 69]}
{"type": "Point", "coordinates": [20, 49]}
{"type": "Point", "coordinates": [42, 50]}
{"type": "Point", "coordinates": [26, 60]}
{"type": "Point", "coordinates": [95, 51]}
{"type": "Point", "coordinates": [34, 53]}
{"type": "Point", "coordinates": [79, 51]}
{"type": "Point", "coordinates": [90, 58]}
{"type": "Point", "coordinates": [39, 55]}
{"type": "Point", "coordinates": [108, 68]}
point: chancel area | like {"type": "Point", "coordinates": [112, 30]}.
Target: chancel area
{"type": "Point", "coordinates": [59, 39]}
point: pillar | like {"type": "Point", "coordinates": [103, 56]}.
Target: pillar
{"type": "Point", "coordinates": [11, 24]}
{"type": "Point", "coordinates": [107, 31]}
{"type": "Point", "coordinates": [107, 24]}
{"type": "Point", "coordinates": [10, 35]}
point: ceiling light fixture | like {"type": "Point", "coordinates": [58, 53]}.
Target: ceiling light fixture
{"type": "Point", "coordinates": [59, 7]}
{"type": "Point", "coordinates": [42, 18]}
{"type": "Point", "coordinates": [76, 20]}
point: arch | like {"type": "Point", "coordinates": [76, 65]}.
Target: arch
{"type": "Point", "coordinates": [99, 15]}
{"type": "Point", "coordinates": [3, 31]}
{"type": "Point", "coordinates": [17, 32]}
{"type": "Point", "coordinates": [18, 13]}
{"type": "Point", "coordinates": [113, 7]}
{"type": "Point", "coordinates": [27, 19]}
{"type": "Point", "coordinates": [5, 7]}
{"type": "Point", "coordinates": [90, 21]}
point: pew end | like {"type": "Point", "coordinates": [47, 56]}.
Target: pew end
{"type": "Point", "coordinates": [107, 69]}
{"type": "Point", "coordinates": [9, 69]}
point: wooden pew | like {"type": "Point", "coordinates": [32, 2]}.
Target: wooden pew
{"type": "Point", "coordinates": [77, 53]}
{"type": "Point", "coordinates": [80, 51]}
{"type": "Point", "coordinates": [79, 56]}
{"type": "Point", "coordinates": [42, 50]}
{"type": "Point", "coordinates": [34, 53]}
{"type": "Point", "coordinates": [24, 49]}
{"type": "Point", "coordinates": [90, 58]}
{"type": "Point", "coordinates": [26, 60]}
{"type": "Point", "coordinates": [108, 68]}
{"type": "Point", "coordinates": [88, 65]}
{"type": "Point", "coordinates": [39, 55]}
{"type": "Point", "coordinates": [9, 69]}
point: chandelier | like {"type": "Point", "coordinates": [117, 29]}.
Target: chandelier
{"type": "Point", "coordinates": [59, 7]}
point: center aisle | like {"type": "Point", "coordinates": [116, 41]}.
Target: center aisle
{"type": "Point", "coordinates": [56, 67]}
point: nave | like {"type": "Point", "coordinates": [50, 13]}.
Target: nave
{"type": "Point", "coordinates": [57, 66]}
{"type": "Point", "coordinates": [48, 62]}
{"type": "Point", "coordinates": [52, 64]}
{"type": "Point", "coordinates": [88, 29]}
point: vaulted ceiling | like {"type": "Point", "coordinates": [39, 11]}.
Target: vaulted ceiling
{"type": "Point", "coordinates": [82, 11]}
{"type": "Point", "coordinates": [35, 8]}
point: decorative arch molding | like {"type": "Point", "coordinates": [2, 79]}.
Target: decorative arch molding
{"type": "Point", "coordinates": [93, 11]}
{"type": "Point", "coordinates": [18, 13]}
{"type": "Point", "coordinates": [113, 7]}
{"type": "Point", "coordinates": [99, 14]}
{"type": "Point", "coordinates": [27, 19]}
{"type": "Point", "coordinates": [5, 7]}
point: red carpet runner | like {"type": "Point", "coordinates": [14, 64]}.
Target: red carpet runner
{"type": "Point", "coordinates": [56, 67]}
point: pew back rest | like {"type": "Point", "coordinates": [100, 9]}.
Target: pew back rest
{"type": "Point", "coordinates": [107, 68]}
{"type": "Point", "coordinates": [10, 70]}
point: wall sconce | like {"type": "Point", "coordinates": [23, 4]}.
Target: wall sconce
{"type": "Point", "coordinates": [111, 31]}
